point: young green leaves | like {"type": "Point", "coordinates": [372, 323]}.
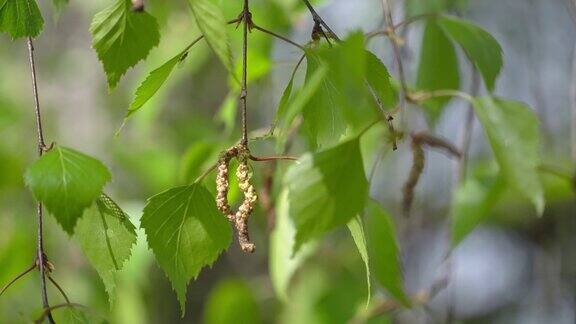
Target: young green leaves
{"type": "Point", "coordinates": [514, 134]}
{"type": "Point", "coordinates": [326, 190]}
{"type": "Point", "coordinates": [106, 236]}
{"type": "Point", "coordinates": [384, 252]}
{"type": "Point", "coordinates": [155, 80]}
{"type": "Point", "coordinates": [341, 101]}
{"type": "Point", "coordinates": [212, 23]}
{"type": "Point", "coordinates": [186, 233]}
{"type": "Point", "coordinates": [473, 202]}
{"type": "Point", "coordinates": [438, 68]}
{"type": "Point", "coordinates": [20, 18]}
{"type": "Point", "coordinates": [122, 38]}
{"type": "Point", "coordinates": [67, 182]}
{"type": "Point", "coordinates": [481, 48]}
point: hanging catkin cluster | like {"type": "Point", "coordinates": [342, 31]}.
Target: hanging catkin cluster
{"type": "Point", "coordinates": [419, 140]}
{"type": "Point", "coordinates": [243, 174]}
{"type": "Point", "coordinates": [222, 185]}
{"type": "Point", "coordinates": [418, 160]}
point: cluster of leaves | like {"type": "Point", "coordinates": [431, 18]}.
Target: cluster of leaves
{"type": "Point", "coordinates": [346, 90]}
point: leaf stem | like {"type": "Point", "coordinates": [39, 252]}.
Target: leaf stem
{"type": "Point", "coordinates": [59, 288]}
{"type": "Point", "coordinates": [206, 173]}
{"type": "Point", "coordinates": [20, 275]}
{"type": "Point", "coordinates": [40, 255]}
{"type": "Point", "coordinates": [273, 34]}
{"type": "Point", "coordinates": [272, 158]}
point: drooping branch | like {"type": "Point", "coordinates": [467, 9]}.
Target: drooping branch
{"type": "Point", "coordinates": [40, 255]}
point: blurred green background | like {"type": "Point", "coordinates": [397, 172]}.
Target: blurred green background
{"type": "Point", "coordinates": [515, 268]}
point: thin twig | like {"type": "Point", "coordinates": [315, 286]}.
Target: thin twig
{"type": "Point", "coordinates": [47, 311]}
{"type": "Point", "coordinates": [59, 288]}
{"type": "Point", "coordinates": [285, 39]}
{"type": "Point", "coordinates": [396, 50]}
{"type": "Point", "coordinates": [40, 256]}
{"type": "Point", "coordinates": [404, 23]}
{"type": "Point", "coordinates": [247, 20]}
{"type": "Point", "coordinates": [317, 19]}
{"type": "Point", "coordinates": [206, 173]}
{"type": "Point", "coordinates": [272, 158]}
{"type": "Point", "coordinates": [20, 275]}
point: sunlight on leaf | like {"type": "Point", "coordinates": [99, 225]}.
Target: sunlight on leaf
{"type": "Point", "coordinates": [67, 182]}
{"type": "Point", "coordinates": [384, 251]}
{"type": "Point", "coordinates": [20, 18]}
{"type": "Point", "coordinates": [283, 263]}
{"type": "Point", "coordinates": [106, 236]}
{"type": "Point", "coordinates": [122, 38]}
{"type": "Point", "coordinates": [212, 23]}
{"type": "Point", "coordinates": [186, 233]}
{"type": "Point", "coordinates": [356, 228]}
{"type": "Point", "coordinates": [321, 198]}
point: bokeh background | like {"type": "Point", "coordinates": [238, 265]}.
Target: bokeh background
{"type": "Point", "coordinates": [515, 268]}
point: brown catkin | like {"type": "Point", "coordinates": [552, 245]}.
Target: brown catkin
{"type": "Point", "coordinates": [242, 215]}
{"type": "Point", "coordinates": [418, 160]}
{"type": "Point", "coordinates": [222, 185]}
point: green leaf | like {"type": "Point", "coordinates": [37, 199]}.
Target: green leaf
{"type": "Point", "coordinates": [106, 236]}
{"type": "Point", "coordinates": [514, 134]}
{"type": "Point", "coordinates": [480, 47]}
{"type": "Point", "coordinates": [284, 263]}
{"type": "Point", "coordinates": [378, 78]}
{"type": "Point", "coordinates": [231, 301]}
{"type": "Point", "coordinates": [212, 23]}
{"type": "Point", "coordinates": [341, 100]}
{"type": "Point", "coordinates": [154, 81]}
{"type": "Point", "coordinates": [67, 182]}
{"type": "Point", "coordinates": [356, 228]}
{"type": "Point", "coordinates": [326, 190]}
{"type": "Point", "coordinates": [283, 104]}
{"type": "Point", "coordinates": [122, 38]}
{"type": "Point", "coordinates": [384, 252]}
{"type": "Point", "coordinates": [20, 18]}
{"type": "Point", "coordinates": [299, 100]}
{"type": "Point", "coordinates": [472, 203]}
{"type": "Point", "coordinates": [186, 232]}
{"type": "Point", "coordinates": [438, 68]}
